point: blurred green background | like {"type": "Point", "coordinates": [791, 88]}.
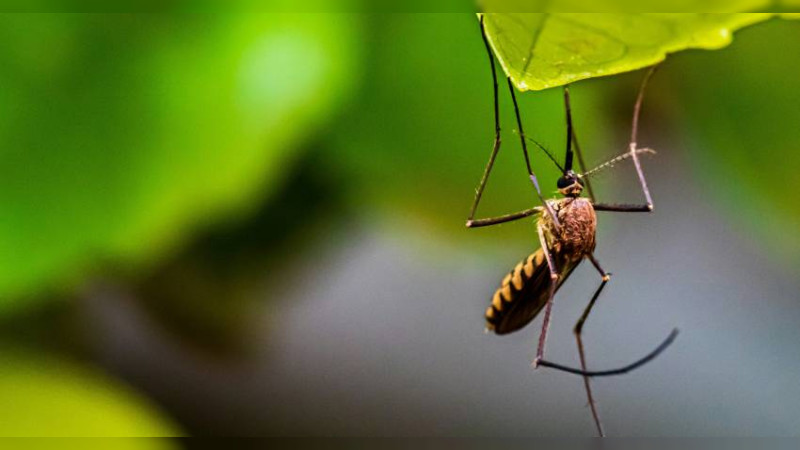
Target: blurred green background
{"type": "Point", "coordinates": [253, 224]}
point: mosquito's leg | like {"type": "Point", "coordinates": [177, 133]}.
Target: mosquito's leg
{"type": "Point", "coordinates": [496, 145]}
{"type": "Point", "coordinates": [568, 110]}
{"type": "Point", "coordinates": [648, 206]}
{"type": "Point", "coordinates": [505, 218]}
{"type": "Point", "coordinates": [634, 134]}
{"type": "Point", "coordinates": [532, 175]}
{"type": "Point", "coordinates": [549, 305]}
{"type": "Point", "coordinates": [620, 370]}
{"type": "Point", "coordinates": [603, 373]}
{"type": "Point", "coordinates": [578, 330]}
{"type": "Point", "coordinates": [574, 139]}
{"type": "Point", "coordinates": [632, 148]}
{"type": "Point", "coordinates": [471, 221]}
{"type": "Point", "coordinates": [621, 207]}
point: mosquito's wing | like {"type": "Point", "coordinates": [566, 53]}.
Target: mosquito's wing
{"type": "Point", "coordinates": [524, 292]}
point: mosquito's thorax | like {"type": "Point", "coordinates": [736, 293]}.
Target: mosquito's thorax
{"type": "Point", "coordinates": [576, 234]}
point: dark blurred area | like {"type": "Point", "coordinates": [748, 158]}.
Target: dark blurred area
{"type": "Point", "coordinates": [253, 224]}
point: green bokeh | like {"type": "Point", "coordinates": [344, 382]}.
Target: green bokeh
{"type": "Point", "coordinates": [119, 133]}
{"type": "Point", "coordinates": [743, 127]}
{"type": "Point", "coordinates": [46, 396]}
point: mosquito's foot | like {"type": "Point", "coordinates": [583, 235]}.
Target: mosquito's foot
{"type": "Point", "coordinates": [535, 363]}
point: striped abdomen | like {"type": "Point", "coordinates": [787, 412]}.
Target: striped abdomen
{"type": "Point", "coordinates": [524, 291]}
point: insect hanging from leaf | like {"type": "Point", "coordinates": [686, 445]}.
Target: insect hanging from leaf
{"type": "Point", "coordinates": [566, 230]}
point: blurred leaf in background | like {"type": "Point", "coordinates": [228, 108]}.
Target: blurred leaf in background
{"type": "Point", "coordinates": [45, 396]}
{"type": "Point", "coordinates": [743, 131]}
{"type": "Point", "coordinates": [120, 133]}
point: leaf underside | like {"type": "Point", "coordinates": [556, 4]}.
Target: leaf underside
{"type": "Point", "coordinates": [544, 50]}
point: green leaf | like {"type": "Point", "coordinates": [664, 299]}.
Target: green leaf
{"type": "Point", "coordinates": [544, 50]}
{"type": "Point", "coordinates": [120, 134]}
{"type": "Point", "coordinates": [50, 397]}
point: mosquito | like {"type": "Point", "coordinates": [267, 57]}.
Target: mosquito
{"type": "Point", "coordinates": [566, 231]}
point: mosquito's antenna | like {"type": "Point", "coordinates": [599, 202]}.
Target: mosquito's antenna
{"type": "Point", "coordinates": [568, 158]}
{"type": "Point", "coordinates": [612, 162]}
{"type": "Point", "coordinates": [546, 151]}
{"type": "Point", "coordinates": [622, 370]}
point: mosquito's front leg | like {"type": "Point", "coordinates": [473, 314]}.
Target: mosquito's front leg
{"type": "Point", "coordinates": [648, 206]}
{"type": "Point", "coordinates": [622, 207]}
{"type": "Point", "coordinates": [497, 140]}
{"type": "Point", "coordinates": [471, 221]}
{"type": "Point", "coordinates": [626, 207]}
{"type": "Point", "coordinates": [505, 218]}
{"type": "Point", "coordinates": [634, 134]}
{"type": "Point", "coordinates": [549, 305]}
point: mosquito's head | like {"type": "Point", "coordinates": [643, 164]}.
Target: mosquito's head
{"type": "Point", "coordinates": [570, 185]}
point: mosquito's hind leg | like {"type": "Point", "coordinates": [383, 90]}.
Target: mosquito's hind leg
{"type": "Point", "coordinates": [578, 331]}
{"type": "Point", "coordinates": [551, 293]}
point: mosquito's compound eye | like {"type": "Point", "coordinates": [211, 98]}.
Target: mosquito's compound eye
{"type": "Point", "coordinates": [565, 182]}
